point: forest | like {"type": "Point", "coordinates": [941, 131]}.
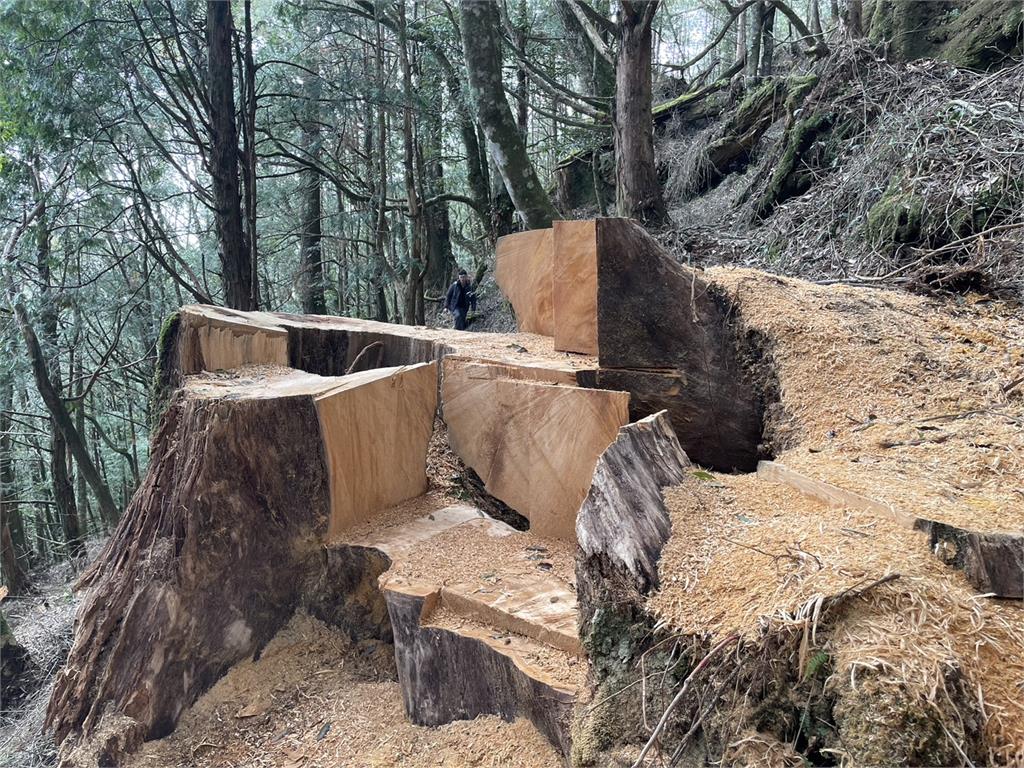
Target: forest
{"type": "Point", "coordinates": [347, 158]}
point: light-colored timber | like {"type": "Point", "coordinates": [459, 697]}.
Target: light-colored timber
{"type": "Point", "coordinates": [574, 290]}
{"type": "Point", "coordinates": [533, 444]}
{"type": "Point", "coordinates": [375, 427]}
{"type": "Point", "coordinates": [523, 271]}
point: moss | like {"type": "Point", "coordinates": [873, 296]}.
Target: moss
{"type": "Point", "coordinates": [799, 86]}
{"type": "Point", "coordinates": [615, 641]}
{"type": "Point", "coordinates": [164, 374]}
{"type": "Point", "coordinates": [897, 217]}
{"type": "Point", "coordinates": [881, 722]}
{"type": "Point", "coordinates": [787, 181]}
{"type": "Point", "coordinates": [984, 35]}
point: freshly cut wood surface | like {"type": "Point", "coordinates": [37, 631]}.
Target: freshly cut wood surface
{"type": "Point", "coordinates": [534, 445]}
{"type": "Point", "coordinates": [522, 269]}
{"type": "Point", "coordinates": [574, 294]}
{"type": "Point", "coordinates": [376, 426]}
{"type": "Point", "coordinates": [328, 345]}
{"type": "Point", "coordinates": [215, 339]}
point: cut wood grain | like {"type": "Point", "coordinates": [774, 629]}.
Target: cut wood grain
{"type": "Point", "coordinates": [328, 346]}
{"type": "Point", "coordinates": [376, 426]}
{"type": "Point", "coordinates": [523, 271]}
{"type": "Point", "coordinates": [216, 339]}
{"type": "Point", "coordinates": [574, 294]}
{"type": "Point", "coordinates": [992, 562]}
{"type": "Point", "coordinates": [533, 444]}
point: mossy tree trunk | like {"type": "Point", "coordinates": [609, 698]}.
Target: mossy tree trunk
{"type": "Point", "coordinates": [638, 193]}
{"type": "Point", "coordinates": [480, 25]}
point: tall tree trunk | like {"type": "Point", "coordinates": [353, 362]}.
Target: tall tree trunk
{"type": "Point", "coordinates": [235, 256]}
{"type": "Point", "coordinates": [597, 71]}
{"type": "Point", "coordinates": [247, 71]}
{"type": "Point", "coordinates": [311, 265]}
{"type": "Point", "coordinates": [11, 554]}
{"type": "Point", "coordinates": [756, 26]}
{"type": "Point", "coordinates": [63, 490]}
{"type": "Point", "coordinates": [814, 11]}
{"type": "Point", "coordinates": [436, 220]}
{"type": "Point", "coordinates": [480, 25]}
{"type": "Point", "coordinates": [855, 18]}
{"type": "Point", "coordinates": [767, 43]}
{"type": "Point", "coordinates": [413, 304]}
{"type": "Point", "coordinates": [638, 193]}
{"type": "Point", "coordinates": [55, 405]}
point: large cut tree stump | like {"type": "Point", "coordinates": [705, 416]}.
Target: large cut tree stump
{"type": "Point", "coordinates": [224, 539]}
{"type": "Point", "coordinates": [205, 566]}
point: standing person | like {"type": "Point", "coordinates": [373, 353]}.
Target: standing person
{"type": "Point", "coordinates": [460, 299]}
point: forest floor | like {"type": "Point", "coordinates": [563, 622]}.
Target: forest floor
{"type": "Point", "coordinates": [43, 622]}
{"type": "Point", "coordinates": [314, 698]}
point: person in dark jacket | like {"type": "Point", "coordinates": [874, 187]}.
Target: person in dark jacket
{"type": "Point", "coordinates": [460, 299]}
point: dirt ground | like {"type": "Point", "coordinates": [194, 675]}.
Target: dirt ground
{"type": "Point", "coordinates": [313, 699]}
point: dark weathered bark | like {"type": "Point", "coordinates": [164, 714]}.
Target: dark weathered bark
{"type": "Point", "coordinates": [767, 43]}
{"type": "Point", "coordinates": [177, 597]}
{"type": "Point", "coordinates": [622, 527]}
{"type": "Point", "coordinates": [480, 25]}
{"type": "Point", "coordinates": [476, 679]}
{"type": "Point", "coordinates": [233, 246]}
{"type": "Point", "coordinates": [638, 192]}
{"type": "Point", "coordinates": [13, 548]}
{"type": "Point", "coordinates": [311, 267]}
{"type": "Point", "coordinates": [667, 337]}
{"type": "Point", "coordinates": [440, 261]}
{"type": "Point", "coordinates": [855, 18]}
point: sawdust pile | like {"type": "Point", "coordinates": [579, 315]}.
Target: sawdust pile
{"type": "Point", "coordinates": [314, 700]}
{"type": "Point", "coordinates": [753, 558]}
{"type": "Point", "coordinates": [904, 399]}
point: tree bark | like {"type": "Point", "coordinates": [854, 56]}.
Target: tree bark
{"type": "Point", "coordinates": [480, 25]}
{"type": "Point", "coordinates": [638, 193]}
{"type": "Point", "coordinates": [234, 250]}
{"type": "Point", "coordinates": [63, 490]}
{"type": "Point", "coordinates": [10, 516]}
{"type": "Point", "coordinates": [59, 413]}
{"type": "Point", "coordinates": [311, 267]}
{"type": "Point", "coordinates": [597, 71]}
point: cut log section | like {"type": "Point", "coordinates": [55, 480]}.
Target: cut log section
{"type": "Point", "coordinates": [206, 338]}
{"type": "Point", "coordinates": [220, 339]}
{"type": "Point", "coordinates": [533, 444]}
{"type": "Point", "coordinates": [660, 331]}
{"type": "Point", "coordinates": [575, 286]}
{"type": "Point", "coordinates": [376, 426]}
{"type": "Point", "coordinates": [992, 562]}
{"type": "Point", "coordinates": [523, 271]}
{"type": "Point", "coordinates": [666, 336]}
